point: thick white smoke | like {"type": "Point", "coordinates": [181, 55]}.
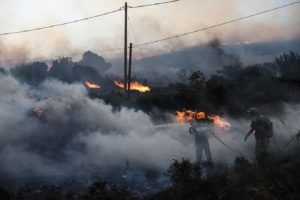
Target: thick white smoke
{"type": "Point", "coordinates": [78, 136]}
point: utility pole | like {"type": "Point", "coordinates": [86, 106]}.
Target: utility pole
{"type": "Point", "coordinates": [129, 70]}
{"type": "Point", "coordinates": [125, 51]}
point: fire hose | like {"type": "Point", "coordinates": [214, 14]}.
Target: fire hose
{"type": "Point", "coordinates": [290, 140]}
{"type": "Point", "coordinates": [237, 151]}
{"type": "Point", "coordinates": [297, 135]}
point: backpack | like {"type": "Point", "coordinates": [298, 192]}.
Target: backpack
{"type": "Point", "coordinates": [267, 126]}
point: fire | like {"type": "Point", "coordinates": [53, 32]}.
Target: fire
{"type": "Point", "coordinates": [186, 115]}
{"type": "Point", "coordinates": [121, 85]}
{"type": "Point", "coordinates": [218, 121]}
{"type": "Point", "coordinates": [92, 85]}
{"type": "Point", "coordinates": [134, 86]}
{"type": "Point", "coordinates": [189, 115]}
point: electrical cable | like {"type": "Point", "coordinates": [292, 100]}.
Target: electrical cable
{"type": "Point", "coordinates": [217, 25]}
{"type": "Point", "coordinates": [154, 4]}
{"type": "Point", "coordinates": [61, 24]}
{"type": "Point", "coordinates": [159, 40]}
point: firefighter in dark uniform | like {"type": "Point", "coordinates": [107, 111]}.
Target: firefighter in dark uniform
{"type": "Point", "coordinates": [201, 127]}
{"type": "Point", "coordinates": [262, 128]}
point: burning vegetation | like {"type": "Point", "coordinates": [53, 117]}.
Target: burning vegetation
{"type": "Point", "coordinates": [190, 115]}
{"type": "Point", "coordinates": [134, 86]}
{"type": "Point", "coordinates": [91, 85]}
{"type": "Point", "coordinates": [91, 131]}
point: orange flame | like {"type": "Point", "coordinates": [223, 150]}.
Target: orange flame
{"type": "Point", "coordinates": [218, 121]}
{"type": "Point", "coordinates": [134, 86]}
{"type": "Point", "coordinates": [186, 115]}
{"type": "Point", "coordinates": [92, 85]}
{"type": "Point", "coordinates": [189, 115]}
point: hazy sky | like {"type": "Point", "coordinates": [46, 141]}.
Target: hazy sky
{"type": "Point", "coordinates": [145, 24]}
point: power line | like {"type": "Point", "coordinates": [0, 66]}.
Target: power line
{"type": "Point", "coordinates": [217, 25]}
{"type": "Point", "coordinates": [154, 4]}
{"type": "Point", "coordinates": [82, 19]}
{"type": "Point", "coordinates": [155, 41]}
{"type": "Point", "coordinates": [61, 24]}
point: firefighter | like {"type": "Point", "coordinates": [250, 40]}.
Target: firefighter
{"type": "Point", "coordinates": [263, 131]}
{"type": "Point", "coordinates": [200, 127]}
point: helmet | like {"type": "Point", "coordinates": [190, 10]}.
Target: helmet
{"type": "Point", "coordinates": [201, 115]}
{"type": "Point", "coordinates": [252, 110]}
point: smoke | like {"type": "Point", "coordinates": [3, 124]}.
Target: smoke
{"type": "Point", "coordinates": [285, 127]}
{"type": "Point", "coordinates": [12, 54]}
{"type": "Point", "coordinates": [146, 24]}
{"type": "Point", "coordinates": [80, 138]}
{"type": "Point", "coordinates": [162, 69]}
{"type": "Point", "coordinates": [76, 134]}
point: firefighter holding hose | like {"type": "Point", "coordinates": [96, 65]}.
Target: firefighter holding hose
{"type": "Point", "coordinates": [200, 127]}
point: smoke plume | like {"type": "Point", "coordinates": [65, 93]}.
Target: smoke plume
{"type": "Point", "coordinates": [80, 138]}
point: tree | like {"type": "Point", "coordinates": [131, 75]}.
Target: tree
{"type": "Point", "coordinates": [33, 73]}
{"type": "Point", "coordinates": [231, 72]}
{"type": "Point", "coordinates": [62, 69]}
{"type": "Point", "coordinates": [197, 80]}
{"type": "Point", "coordinates": [182, 75]}
{"type": "Point", "coordinates": [289, 66]}
{"type": "Point", "coordinates": [98, 62]}
{"type": "Point", "coordinates": [85, 73]}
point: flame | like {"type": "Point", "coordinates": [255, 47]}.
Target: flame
{"type": "Point", "coordinates": [119, 84]}
{"type": "Point", "coordinates": [186, 115]}
{"type": "Point", "coordinates": [134, 86]}
{"type": "Point", "coordinates": [92, 85]}
{"type": "Point", "coordinates": [189, 115]}
{"type": "Point", "coordinates": [38, 111]}
{"type": "Point", "coordinates": [218, 121]}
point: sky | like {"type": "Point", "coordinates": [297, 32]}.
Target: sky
{"type": "Point", "coordinates": [145, 24]}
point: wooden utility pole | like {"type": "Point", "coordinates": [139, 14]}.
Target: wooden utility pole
{"type": "Point", "coordinates": [129, 70]}
{"type": "Point", "coordinates": [125, 51]}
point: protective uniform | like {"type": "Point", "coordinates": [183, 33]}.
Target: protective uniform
{"type": "Point", "coordinates": [262, 141]}
{"type": "Point", "coordinates": [260, 126]}
{"type": "Point", "coordinates": [201, 128]}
